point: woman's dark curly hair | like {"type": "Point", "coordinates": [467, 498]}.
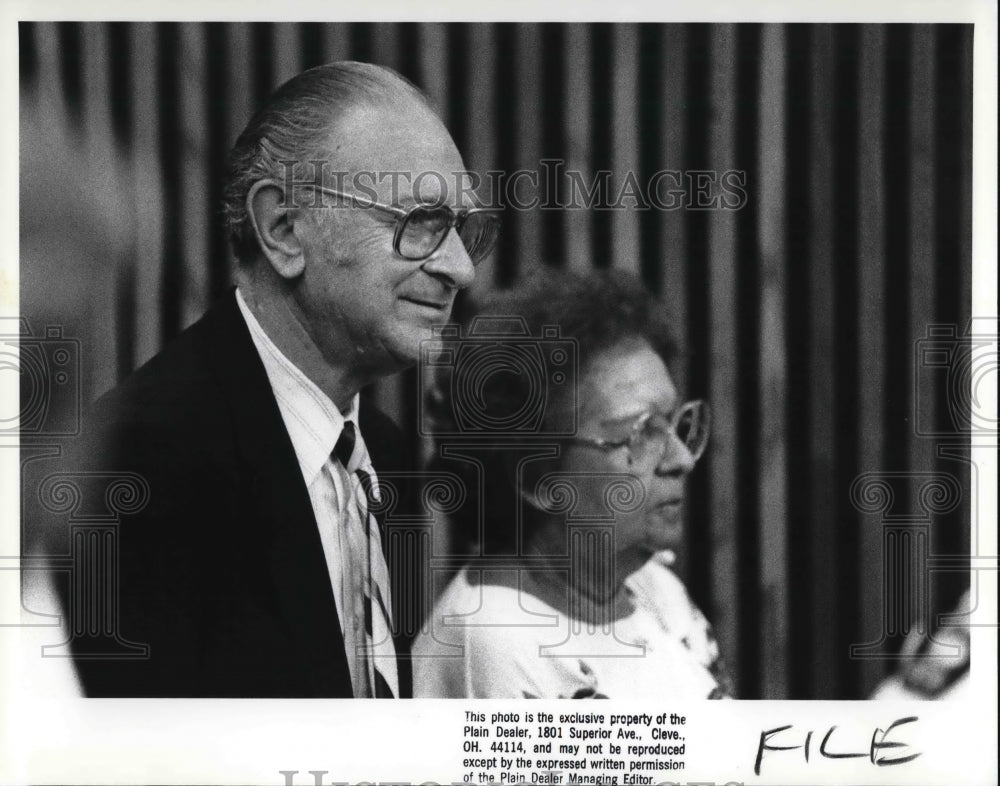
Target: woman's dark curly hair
{"type": "Point", "coordinates": [590, 312]}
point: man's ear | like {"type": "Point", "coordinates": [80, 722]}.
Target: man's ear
{"type": "Point", "coordinates": [274, 225]}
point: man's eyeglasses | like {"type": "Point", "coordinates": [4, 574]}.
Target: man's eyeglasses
{"type": "Point", "coordinates": [421, 229]}
{"type": "Point", "coordinates": [649, 436]}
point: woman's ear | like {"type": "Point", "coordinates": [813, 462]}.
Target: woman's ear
{"type": "Point", "coordinates": [274, 225]}
{"type": "Point", "coordinates": [529, 496]}
{"type": "Point", "coordinates": [528, 475]}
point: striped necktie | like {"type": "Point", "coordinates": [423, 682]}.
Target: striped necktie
{"type": "Point", "coordinates": [380, 651]}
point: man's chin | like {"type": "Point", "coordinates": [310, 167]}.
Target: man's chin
{"type": "Point", "coordinates": [401, 349]}
{"type": "Point", "coordinates": [404, 349]}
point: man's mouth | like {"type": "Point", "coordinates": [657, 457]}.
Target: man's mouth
{"type": "Point", "coordinates": [437, 305]}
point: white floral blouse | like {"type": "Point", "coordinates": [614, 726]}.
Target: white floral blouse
{"type": "Point", "coordinates": [490, 636]}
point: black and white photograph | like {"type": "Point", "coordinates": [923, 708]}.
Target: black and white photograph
{"type": "Point", "coordinates": [507, 361]}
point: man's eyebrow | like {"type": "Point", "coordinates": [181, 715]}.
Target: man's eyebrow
{"type": "Point", "coordinates": [622, 420]}
{"type": "Point", "coordinates": [407, 202]}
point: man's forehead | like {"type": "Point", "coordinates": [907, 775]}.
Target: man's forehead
{"type": "Point", "coordinates": [403, 152]}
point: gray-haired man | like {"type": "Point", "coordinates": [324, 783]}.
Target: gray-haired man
{"type": "Point", "coordinates": [256, 568]}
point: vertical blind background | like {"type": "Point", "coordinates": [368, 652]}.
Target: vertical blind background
{"type": "Point", "coordinates": [799, 314]}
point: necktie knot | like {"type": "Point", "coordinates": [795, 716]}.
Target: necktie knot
{"type": "Point", "coordinates": [344, 448]}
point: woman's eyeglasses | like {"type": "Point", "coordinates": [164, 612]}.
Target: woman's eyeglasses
{"type": "Point", "coordinates": [650, 434]}
{"type": "Point", "coordinates": [421, 229]}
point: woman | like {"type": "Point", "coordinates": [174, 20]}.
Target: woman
{"type": "Point", "coordinates": [570, 592]}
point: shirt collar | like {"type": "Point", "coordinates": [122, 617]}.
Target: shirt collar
{"type": "Point", "coordinates": [313, 421]}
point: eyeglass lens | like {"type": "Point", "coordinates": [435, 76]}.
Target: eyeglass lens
{"type": "Point", "coordinates": [690, 426]}
{"type": "Point", "coordinates": [426, 227]}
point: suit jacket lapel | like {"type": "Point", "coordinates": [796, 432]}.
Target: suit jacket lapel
{"type": "Point", "coordinates": [274, 482]}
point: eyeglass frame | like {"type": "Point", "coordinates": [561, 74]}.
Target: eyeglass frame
{"type": "Point", "coordinates": [456, 220]}
{"type": "Point", "coordinates": [641, 420]}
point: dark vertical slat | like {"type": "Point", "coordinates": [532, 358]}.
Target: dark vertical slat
{"type": "Point", "coordinates": [576, 74]}
{"type": "Point", "coordinates": [696, 156]}
{"type": "Point", "coordinates": [421, 58]}
{"type": "Point", "coordinates": [311, 44]}
{"type": "Point", "coordinates": [798, 423]}
{"type": "Point", "coordinates": [482, 144]}
{"type": "Point", "coordinates": [240, 79]}
{"type": "Point", "coordinates": [505, 131]}
{"type": "Point", "coordinates": [287, 52]}
{"type": "Point", "coordinates": [218, 109]}
{"type": "Point", "coordinates": [336, 41]}
{"type": "Point", "coordinates": [70, 64]}
{"type": "Point", "coordinates": [27, 53]}
{"type": "Point", "coordinates": [362, 41]}
{"type": "Point", "coordinates": [746, 128]}
{"type": "Point", "coordinates": [624, 227]}
{"type": "Point", "coordinates": [668, 153]}
{"type": "Point", "coordinates": [170, 139]}
{"type": "Point", "coordinates": [898, 404]}
{"type": "Point", "coordinates": [456, 109]}
{"type": "Point", "coordinates": [845, 295]}
{"type": "Point", "coordinates": [819, 365]}
{"type": "Point", "coordinates": [384, 44]}
{"type": "Point", "coordinates": [871, 360]}
{"type": "Point", "coordinates": [147, 193]}
{"type": "Point", "coordinates": [922, 208]}
{"type": "Point", "coordinates": [120, 69]}
{"type": "Point", "coordinates": [899, 380]}
{"type": "Point", "coordinates": [50, 82]}
{"type": "Point", "coordinates": [962, 304]}
{"type": "Point", "coordinates": [552, 145]}
{"type": "Point", "coordinates": [527, 108]}
{"type": "Point", "coordinates": [723, 464]}
{"type": "Point", "coordinates": [950, 184]}
{"type": "Point", "coordinates": [262, 76]}
{"type": "Point", "coordinates": [601, 140]}
{"type": "Point", "coordinates": [193, 187]}
{"type": "Point", "coordinates": [427, 48]}
{"type": "Point", "coordinates": [772, 375]}
{"type": "Point", "coordinates": [651, 70]}
{"type": "Point", "coordinates": [953, 254]}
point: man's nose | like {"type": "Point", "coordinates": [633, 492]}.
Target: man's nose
{"type": "Point", "coordinates": [676, 459]}
{"type": "Point", "coordinates": [451, 262]}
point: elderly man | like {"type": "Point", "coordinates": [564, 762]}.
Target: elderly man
{"type": "Point", "coordinates": [256, 569]}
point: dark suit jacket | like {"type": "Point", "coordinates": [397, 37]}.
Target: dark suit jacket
{"type": "Point", "coordinates": [222, 573]}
